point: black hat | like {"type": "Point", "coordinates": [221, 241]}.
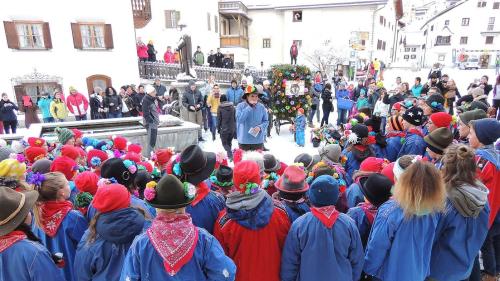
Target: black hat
{"type": "Point", "coordinates": [478, 105]}
{"type": "Point", "coordinates": [223, 177]}
{"type": "Point", "coordinates": [116, 168]}
{"type": "Point", "coordinates": [414, 115]}
{"type": "Point", "coordinates": [15, 208]}
{"type": "Point", "coordinates": [439, 139]}
{"type": "Point", "coordinates": [376, 188]}
{"type": "Point", "coordinates": [305, 159]}
{"type": "Point", "coordinates": [271, 164]}
{"type": "Point", "coordinates": [435, 101]}
{"type": "Point", "coordinates": [171, 193]}
{"type": "Point", "coordinates": [375, 122]}
{"type": "Point", "coordinates": [360, 132]}
{"type": "Point", "coordinates": [196, 165]}
{"type": "Point", "coordinates": [141, 179]}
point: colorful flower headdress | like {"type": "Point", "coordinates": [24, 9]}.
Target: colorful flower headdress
{"type": "Point", "coordinates": [150, 191]}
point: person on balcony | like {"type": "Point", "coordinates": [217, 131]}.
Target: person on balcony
{"type": "Point", "coordinates": [192, 102]}
{"type": "Point", "coordinates": [211, 59]}
{"type": "Point", "coordinates": [218, 58]}
{"type": "Point", "coordinates": [228, 62]}
{"type": "Point", "coordinates": [198, 57]}
{"type": "Point", "coordinates": [77, 104]}
{"type": "Point", "coordinates": [142, 50]}
{"type": "Point", "coordinates": [151, 51]}
{"type": "Point", "coordinates": [168, 57]}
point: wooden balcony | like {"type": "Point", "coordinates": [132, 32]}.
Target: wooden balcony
{"type": "Point", "coordinates": [232, 7]}
{"type": "Point", "coordinates": [141, 10]}
{"type": "Point", "coordinates": [231, 41]}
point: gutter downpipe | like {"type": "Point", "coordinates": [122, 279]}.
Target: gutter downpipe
{"type": "Point", "coordinates": [373, 30]}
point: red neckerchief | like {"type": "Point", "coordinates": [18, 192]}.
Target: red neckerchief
{"type": "Point", "coordinates": [416, 132]}
{"type": "Point", "coordinates": [52, 215]}
{"type": "Point", "coordinates": [395, 134]}
{"type": "Point", "coordinates": [174, 238]}
{"type": "Point", "coordinates": [9, 239]}
{"type": "Point", "coordinates": [360, 147]}
{"type": "Point", "coordinates": [327, 215]}
{"type": "Point", "coordinates": [202, 191]}
{"type": "Point", "coordinates": [370, 211]}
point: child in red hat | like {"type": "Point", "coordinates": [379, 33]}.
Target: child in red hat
{"type": "Point", "coordinates": [64, 165]}
{"type": "Point", "coordinates": [37, 142]}
{"type": "Point", "coordinates": [136, 148]}
{"type": "Point", "coordinates": [119, 143]}
{"type": "Point", "coordinates": [439, 120]}
{"type": "Point", "coordinates": [78, 137]}
{"type": "Point", "coordinates": [70, 151]}
{"type": "Point", "coordinates": [369, 166]}
{"type": "Point", "coordinates": [86, 183]}
{"type": "Point", "coordinates": [34, 153]}
{"type": "Point", "coordinates": [253, 228]}
{"type": "Point", "coordinates": [292, 187]}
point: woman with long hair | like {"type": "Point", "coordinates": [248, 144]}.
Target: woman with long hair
{"type": "Point", "coordinates": [496, 98]}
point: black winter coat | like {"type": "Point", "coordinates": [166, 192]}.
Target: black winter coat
{"type": "Point", "coordinates": [226, 119]}
{"type": "Point", "coordinates": [393, 99]}
{"type": "Point", "coordinates": [113, 103]}
{"type": "Point", "coordinates": [7, 111]}
{"type": "Point", "coordinates": [326, 96]}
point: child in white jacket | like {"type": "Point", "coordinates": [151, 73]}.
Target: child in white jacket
{"type": "Point", "coordinates": [381, 109]}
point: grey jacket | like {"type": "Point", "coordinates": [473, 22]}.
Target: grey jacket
{"type": "Point", "coordinates": [150, 112]}
{"type": "Point", "coordinates": [191, 98]}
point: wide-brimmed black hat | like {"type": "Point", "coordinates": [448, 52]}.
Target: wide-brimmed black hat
{"type": "Point", "coordinates": [196, 165]}
{"type": "Point", "coordinates": [15, 208]}
{"type": "Point", "coordinates": [271, 164]}
{"type": "Point", "coordinates": [376, 188]}
{"type": "Point", "coordinates": [223, 177]}
{"type": "Point", "coordinates": [171, 193]}
{"type": "Point", "coordinates": [115, 168]}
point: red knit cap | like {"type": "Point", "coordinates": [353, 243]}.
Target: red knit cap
{"type": "Point", "coordinates": [244, 172]}
{"type": "Point", "coordinates": [64, 165]}
{"type": "Point", "coordinates": [86, 182]}
{"type": "Point", "coordinates": [110, 198]}
{"type": "Point", "coordinates": [441, 119]}
{"type": "Point", "coordinates": [120, 143]}
{"type": "Point", "coordinates": [163, 155]}
{"type": "Point", "coordinates": [78, 134]}
{"type": "Point", "coordinates": [146, 165]}
{"type": "Point", "coordinates": [388, 172]}
{"type": "Point", "coordinates": [372, 164]}
{"type": "Point", "coordinates": [282, 169]}
{"type": "Point", "coordinates": [35, 142]}
{"type": "Point", "coordinates": [136, 148]}
{"type": "Point", "coordinates": [34, 153]}
{"type": "Point", "coordinates": [70, 151]}
{"type": "Point", "coordinates": [132, 156]}
{"type": "Point", "coordinates": [96, 153]}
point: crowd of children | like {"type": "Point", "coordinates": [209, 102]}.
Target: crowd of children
{"type": "Point", "coordinates": [412, 195]}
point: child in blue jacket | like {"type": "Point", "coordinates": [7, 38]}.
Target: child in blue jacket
{"type": "Point", "coordinates": [324, 243]}
{"type": "Point", "coordinates": [462, 223]}
{"type": "Point", "coordinates": [58, 226]}
{"type": "Point", "coordinates": [401, 239]}
{"type": "Point", "coordinates": [103, 247]}
{"type": "Point", "coordinates": [394, 137]}
{"type": "Point", "coordinates": [357, 150]}
{"type": "Point", "coordinates": [414, 141]}
{"type": "Point", "coordinates": [300, 127]}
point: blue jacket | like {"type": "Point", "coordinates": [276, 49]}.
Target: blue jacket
{"type": "Point", "coordinates": [44, 105]}
{"type": "Point", "coordinates": [414, 144]}
{"type": "Point", "coordinates": [208, 262]}
{"type": "Point", "coordinates": [66, 240]}
{"type": "Point", "coordinates": [351, 165]}
{"type": "Point", "coordinates": [314, 252]}
{"type": "Point", "coordinates": [393, 147]}
{"type": "Point", "coordinates": [300, 123]}
{"type": "Point", "coordinates": [417, 90]}
{"type": "Point", "coordinates": [457, 243]}
{"type": "Point", "coordinates": [102, 259]}
{"type": "Point", "coordinates": [248, 117]}
{"type": "Point", "coordinates": [234, 95]}
{"type": "Point", "coordinates": [342, 94]}
{"type": "Point", "coordinates": [205, 213]}
{"type": "Point", "coordinates": [398, 248]}
{"type": "Point", "coordinates": [354, 195]}
{"type": "Point", "coordinates": [380, 152]}
{"type": "Point", "coordinates": [26, 260]}
{"type": "Point", "coordinates": [295, 210]}
{"type": "Point", "coordinates": [362, 223]}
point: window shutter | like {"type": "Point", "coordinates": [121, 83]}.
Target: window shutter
{"type": "Point", "coordinates": [108, 37]}
{"type": "Point", "coordinates": [11, 35]}
{"type": "Point", "coordinates": [168, 19]}
{"type": "Point", "coordinates": [77, 36]}
{"type": "Point", "coordinates": [19, 92]}
{"type": "Point", "coordinates": [47, 40]}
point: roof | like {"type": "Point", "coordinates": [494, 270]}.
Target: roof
{"type": "Point", "coordinates": [443, 12]}
{"type": "Point", "coordinates": [307, 4]}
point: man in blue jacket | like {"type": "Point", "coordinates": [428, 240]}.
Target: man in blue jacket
{"type": "Point", "coordinates": [234, 93]}
{"type": "Point", "coordinates": [251, 121]}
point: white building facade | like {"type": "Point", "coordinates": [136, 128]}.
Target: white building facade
{"type": "Point", "coordinates": [48, 45]}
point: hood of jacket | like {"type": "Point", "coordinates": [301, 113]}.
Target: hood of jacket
{"type": "Point", "coordinates": [120, 226]}
{"type": "Point", "coordinates": [225, 105]}
{"type": "Point", "coordinates": [250, 211]}
{"type": "Point", "coordinates": [469, 200]}
{"type": "Point", "coordinates": [489, 153]}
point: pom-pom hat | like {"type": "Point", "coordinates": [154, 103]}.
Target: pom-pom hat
{"type": "Point", "coordinates": [110, 198]}
{"type": "Point", "coordinates": [171, 193]}
{"type": "Point", "coordinates": [244, 173]}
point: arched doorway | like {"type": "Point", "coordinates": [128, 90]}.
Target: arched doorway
{"type": "Point", "coordinates": [98, 80]}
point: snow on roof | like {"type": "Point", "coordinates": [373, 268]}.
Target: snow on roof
{"type": "Point", "coordinates": [307, 4]}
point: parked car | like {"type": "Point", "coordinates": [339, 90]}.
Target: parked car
{"type": "Point", "coordinates": [471, 63]}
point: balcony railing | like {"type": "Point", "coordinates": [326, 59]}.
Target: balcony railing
{"type": "Point", "coordinates": [233, 41]}
{"type": "Point", "coordinates": [166, 71]}
{"type": "Point", "coordinates": [232, 7]}
{"type": "Point", "coordinates": [141, 10]}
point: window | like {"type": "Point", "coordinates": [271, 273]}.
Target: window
{"type": "Point", "coordinates": [266, 43]}
{"type": "Point", "coordinates": [363, 42]}
{"type": "Point", "coordinates": [489, 40]}
{"type": "Point", "coordinates": [379, 44]}
{"type": "Point", "coordinates": [432, 27]}
{"type": "Point", "coordinates": [209, 22]}
{"type": "Point", "coordinates": [28, 35]}
{"type": "Point", "coordinates": [491, 23]}
{"type": "Point", "coordinates": [92, 36]}
{"type": "Point", "coordinates": [216, 24]}
{"type": "Point", "coordinates": [407, 50]}
{"type": "Point", "coordinates": [172, 18]}
{"type": "Point", "coordinates": [406, 57]}
{"type": "Point", "coordinates": [465, 21]}
{"type": "Point", "coordinates": [446, 22]}
{"type": "Point", "coordinates": [496, 5]}
{"type": "Point", "coordinates": [441, 57]}
{"type": "Point", "coordinates": [414, 49]}
{"type": "Point", "coordinates": [383, 45]}
{"type": "Point", "coordinates": [425, 32]}
{"type": "Point", "coordinates": [297, 16]}
{"type": "Point", "coordinates": [463, 40]}
{"type": "Point", "coordinates": [481, 4]}
{"type": "Point", "coordinates": [443, 40]}
{"type": "Point", "coordinates": [381, 20]}
{"type": "Point", "coordinates": [413, 57]}
{"type": "Point", "coordinates": [298, 42]}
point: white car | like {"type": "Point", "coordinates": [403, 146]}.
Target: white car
{"type": "Point", "coordinates": [472, 63]}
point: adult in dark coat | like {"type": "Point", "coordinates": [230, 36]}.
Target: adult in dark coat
{"type": "Point", "coordinates": [8, 114]}
{"type": "Point", "coordinates": [327, 105]}
{"type": "Point", "coordinates": [151, 117]}
{"type": "Point", "coordinates": [226, 124]}
{"type": "Point", "coordinates": [151, 51]}
{"type": "Point", "coordinates": [211, 59]}
{"type": "Point", "coordinates": [113, 103]}
{"type": "Point", "coordinates": [218, 58]}
{"type": "Point", "coordinates": [192, 102]}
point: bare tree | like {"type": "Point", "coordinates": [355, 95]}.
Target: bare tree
{"type": "Point", "coordinates": [326, 55]}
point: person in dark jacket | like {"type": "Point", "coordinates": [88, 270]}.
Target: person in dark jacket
{"type": "Point", "coordinates": [151, 51]}
{"type": "Point", "coordinates": [95, 102]}
{"type": "Point", "coordinates": [192, 102]}
{"type": "Point", "coordinates": [265, 98]}
{"type": "Point", "coordinates": [130, 101]}
{"type": "Point", "coordinates": [357, 90]}
{"type": "Point", "coordinates": [228, 62]}
{"type": "Point", "coordinates": [218, 58]}
{"type": "Point", "coordinates": [30, 111]}
{"type": "Point", "coordinates": [151, 117]}
{"type": "Point", "coordinates": [327, 105]}
{"type": "Point", "coordinates": [138, 97]}
{"type": "Point", "coordinates": [160, 89]}
{"type": "Point", "coordinates": [8, 114]}
{"type": "Point", "coordinates": [211, 59]}
{"type": "Point", "coordinates": [113, 103]}
{"type": "Point", "coordinates": [393, 98]}
{"type": "Point", "coordinates": [226, 124]}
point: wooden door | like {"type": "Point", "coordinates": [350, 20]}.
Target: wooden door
{"type": "Point", "coordinates": [98, 80]}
